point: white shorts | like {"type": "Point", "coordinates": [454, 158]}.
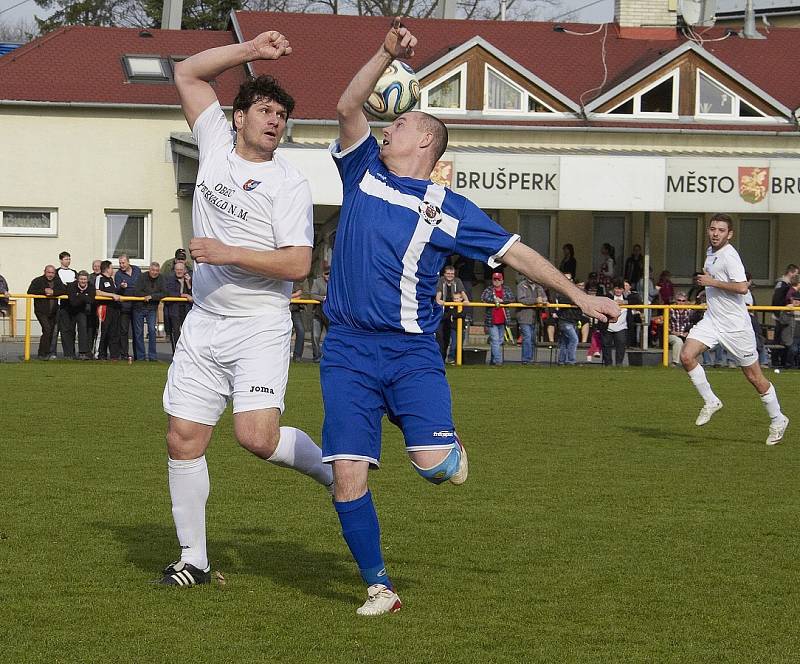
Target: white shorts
{"type": "Point", "coordinates": [222, 357]}
{"type": "Point", "coordinates": [741, 345]}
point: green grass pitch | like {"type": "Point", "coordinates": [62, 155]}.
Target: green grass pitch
{"type": "Point", "coordinates": [598, 525]}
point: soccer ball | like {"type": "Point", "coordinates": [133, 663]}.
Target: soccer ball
{"type": "Point", "coordinates": [396, 92]}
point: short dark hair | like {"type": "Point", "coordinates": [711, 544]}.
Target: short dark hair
{"type": "Point", "coordinates": [720, 216]}
{"type": "Point", "coordinates": [64, 254]}
{"type": "Point", "coordinates": [104, 265]}
{"type": "Point", "coordinates": [618, 282]}
{"type": "Point", "coordinates": [262, 87]}
{"type": "Point", "coordinates": [83, 273]}
{"type": "Point", "coordinates": [437, 128]}
{"type": "Point", "coordinates": [791, 267]}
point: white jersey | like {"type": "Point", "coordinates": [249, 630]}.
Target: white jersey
{"type": "Point", "coordinates": [726, 310]}
{"type": "Point", "coordinates": [262, 206]}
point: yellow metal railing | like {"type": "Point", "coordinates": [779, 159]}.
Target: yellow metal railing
{"type": "Point", "coordinates": [665, 309]}
{"type": "Point", "coordinates": [459, 307]}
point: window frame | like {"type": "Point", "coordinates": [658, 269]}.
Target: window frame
{"type": "Point", "coordinates": [699, 245]}
{"type": "Point", "coordinates": [50, 231]}
{"type": "Point", "coordinates": [551, 221]}
{"type": "Point", "coordinates": [147, 235]}
{"type": "Point", "coordinates": [165, 63]}
{"type": "Point", "coordinates": [524, 94]}
{"type": "Point", "coordinates": [461, 72]}
{"type": "Point", "coordinates": [735, 113]}
{"type": "Point", "coordinates": [771, 243]}
{"type": "Point", "coordinates": [637, 112]}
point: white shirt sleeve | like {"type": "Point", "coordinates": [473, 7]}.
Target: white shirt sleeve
{"type": "Point", "coordinates": [212, 130]}
{"type": "Point", "coordinates": [735, 268]}
{"type": "Point", "coordinates": [293, 215]}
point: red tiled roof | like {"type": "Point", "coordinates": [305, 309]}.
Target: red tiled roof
{"type": "Point", "coordinates": [84, 65]}
{"type": "Point", "coordinates": [329, 49]}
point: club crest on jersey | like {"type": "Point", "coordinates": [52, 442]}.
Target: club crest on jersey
{"type": "Point", "coordinates": [251, 184]}
{"type": "Point", "coordinates": [430, 213]}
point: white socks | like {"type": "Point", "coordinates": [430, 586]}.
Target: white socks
{"type": "Point", "coordinates": [296, 450]}
{"type": "Point", "coordinates": [699, 380]}
{"type": "Point", "coordinates": [189, 487]}
{"type": "Point", "coordinates": [770, 401]}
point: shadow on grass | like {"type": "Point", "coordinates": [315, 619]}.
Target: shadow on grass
{"type": "Point", "coordinates": [251, 551]}
{"type": "Point", "coordinates": [661, 434]}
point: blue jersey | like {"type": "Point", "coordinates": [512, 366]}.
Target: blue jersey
{"type": "Point", "coordinates": [394, 236]}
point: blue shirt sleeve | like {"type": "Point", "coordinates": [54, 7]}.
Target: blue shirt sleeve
{"type": "Point", "coordinates": [480, 237]}
{"type": "Point", "coordinates": [355, 160]}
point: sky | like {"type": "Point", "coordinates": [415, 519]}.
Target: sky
{"type": "Point", "coordinates": [590, 11]}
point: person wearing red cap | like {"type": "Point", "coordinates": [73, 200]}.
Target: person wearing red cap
{"type": "Point", "coordinates": [496, 317]}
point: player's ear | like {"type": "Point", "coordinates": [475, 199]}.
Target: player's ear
{"type": "Point", "coordinates": [238, 117]}
{"type": "Point", "coordinates": [425, 139]}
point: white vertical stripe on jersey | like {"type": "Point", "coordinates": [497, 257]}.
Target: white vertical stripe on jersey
{"type": "Point", "coordinates": [434, 194]}
{"type": "Point", "coordinates": [409, 305]}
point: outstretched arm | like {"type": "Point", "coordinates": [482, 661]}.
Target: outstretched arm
{"type": "Point", "coordinates": [193, 75]}
{"type": "Point", "coordinates": [399, 42]}
{"type": "Point", "coordinates": [534, 266]}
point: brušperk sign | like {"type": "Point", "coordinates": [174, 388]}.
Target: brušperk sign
{"type": "Point", "coordinates": [506, 180]}
{"type": "Point", "coordinates": [596, 182]}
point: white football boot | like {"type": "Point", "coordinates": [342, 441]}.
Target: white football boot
{"type": "Point", "coordinates": [777, 430]}
{"type": "Point", "coordinates": [460, 476]}
{"type": "Point", "coordinates": [380, 600]}
{"type": "Point", "coordinates": [706, 412]}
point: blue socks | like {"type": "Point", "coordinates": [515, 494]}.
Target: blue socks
{"type": "Point", "coordinates": [362, 533]}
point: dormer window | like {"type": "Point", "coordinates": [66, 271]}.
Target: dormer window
{"type": "Point", "coordinates": [448, 93]}
{"type": "Point", "coordinates": [501, 94]}
{"type": "Point", "coordinates": [660, 99]}
{"type": "Point", "coordinates": [714, 100]}
{"type": "Point", "coordinates": [147, 68]}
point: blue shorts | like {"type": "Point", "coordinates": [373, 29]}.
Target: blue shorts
{"type": "Point", "coordinates": [365, 375]}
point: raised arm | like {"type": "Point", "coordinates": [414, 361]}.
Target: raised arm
{"type": "Point", "coordinates": [534, 266]}
{"type": "Point", "coordinates": [193, 76]}
{"type": "Point", "coordinates": [398, 43]}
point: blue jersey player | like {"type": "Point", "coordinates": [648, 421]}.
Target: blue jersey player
{"type": "Point", "coordinates": [396, 229]}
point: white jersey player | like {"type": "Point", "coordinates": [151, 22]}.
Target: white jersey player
{"type": "Point", "coordinates": [727, 322]}
{"type": "Point", "coordinates": [253, 234]}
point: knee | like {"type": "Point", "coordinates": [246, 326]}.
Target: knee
{"type": "Point", "coordinates": [437, 467]}
{"type": "Point", "coordinates": [181, 445]}
{"type": "Point", "coordinates": [262, 443]}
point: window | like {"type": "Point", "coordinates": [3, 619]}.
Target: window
{"type": "Point", "coordinates": [502, 94]}
{"type": "Point", "coordinates": [28, 221]}
{"type": "Point", "coordinates": [681, 247]}
{"type": "Point", "coordinates": [447, 93]}
{"type": "Point", "coordinates": [534, 230]}
{"type": "Point", "coordinates": [715, 100]}
{"type": "Point", "coordinates": [608, 228]}
{"type": "Point", "coordinates": [658, 99]}
{"type": "Point", "coordinates": [128, 233]}
{"type": "Point", "coordinates": [147, 68]}
{"type": "Point", "coordinates": [754, 246]}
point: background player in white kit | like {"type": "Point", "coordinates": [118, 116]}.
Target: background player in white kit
{"type": "Point", "coordinates": [253, 228]}
{"type": "Point", "coordinates": [727, 322]}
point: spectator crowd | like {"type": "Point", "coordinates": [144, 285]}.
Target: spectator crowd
{"type": "Point", "coordinates": [113, 329]}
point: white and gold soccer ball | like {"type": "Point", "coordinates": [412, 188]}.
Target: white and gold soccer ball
{"type": "Point", "coordinates": [396, 92]}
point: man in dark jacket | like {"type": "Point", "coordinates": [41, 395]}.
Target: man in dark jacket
{"type": "Point", "coordinates": [108, 314]}
{"type": "Point", "coordinates": [46, 310]}
{"type": "Point", "coordinates": [178, 284]}
{"type": "Point", "coordinates": [80, 304]}
{"type": "Point", "coordinates": [125, 281]}
{"type": "Point", "coordinates": [151, 287]}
